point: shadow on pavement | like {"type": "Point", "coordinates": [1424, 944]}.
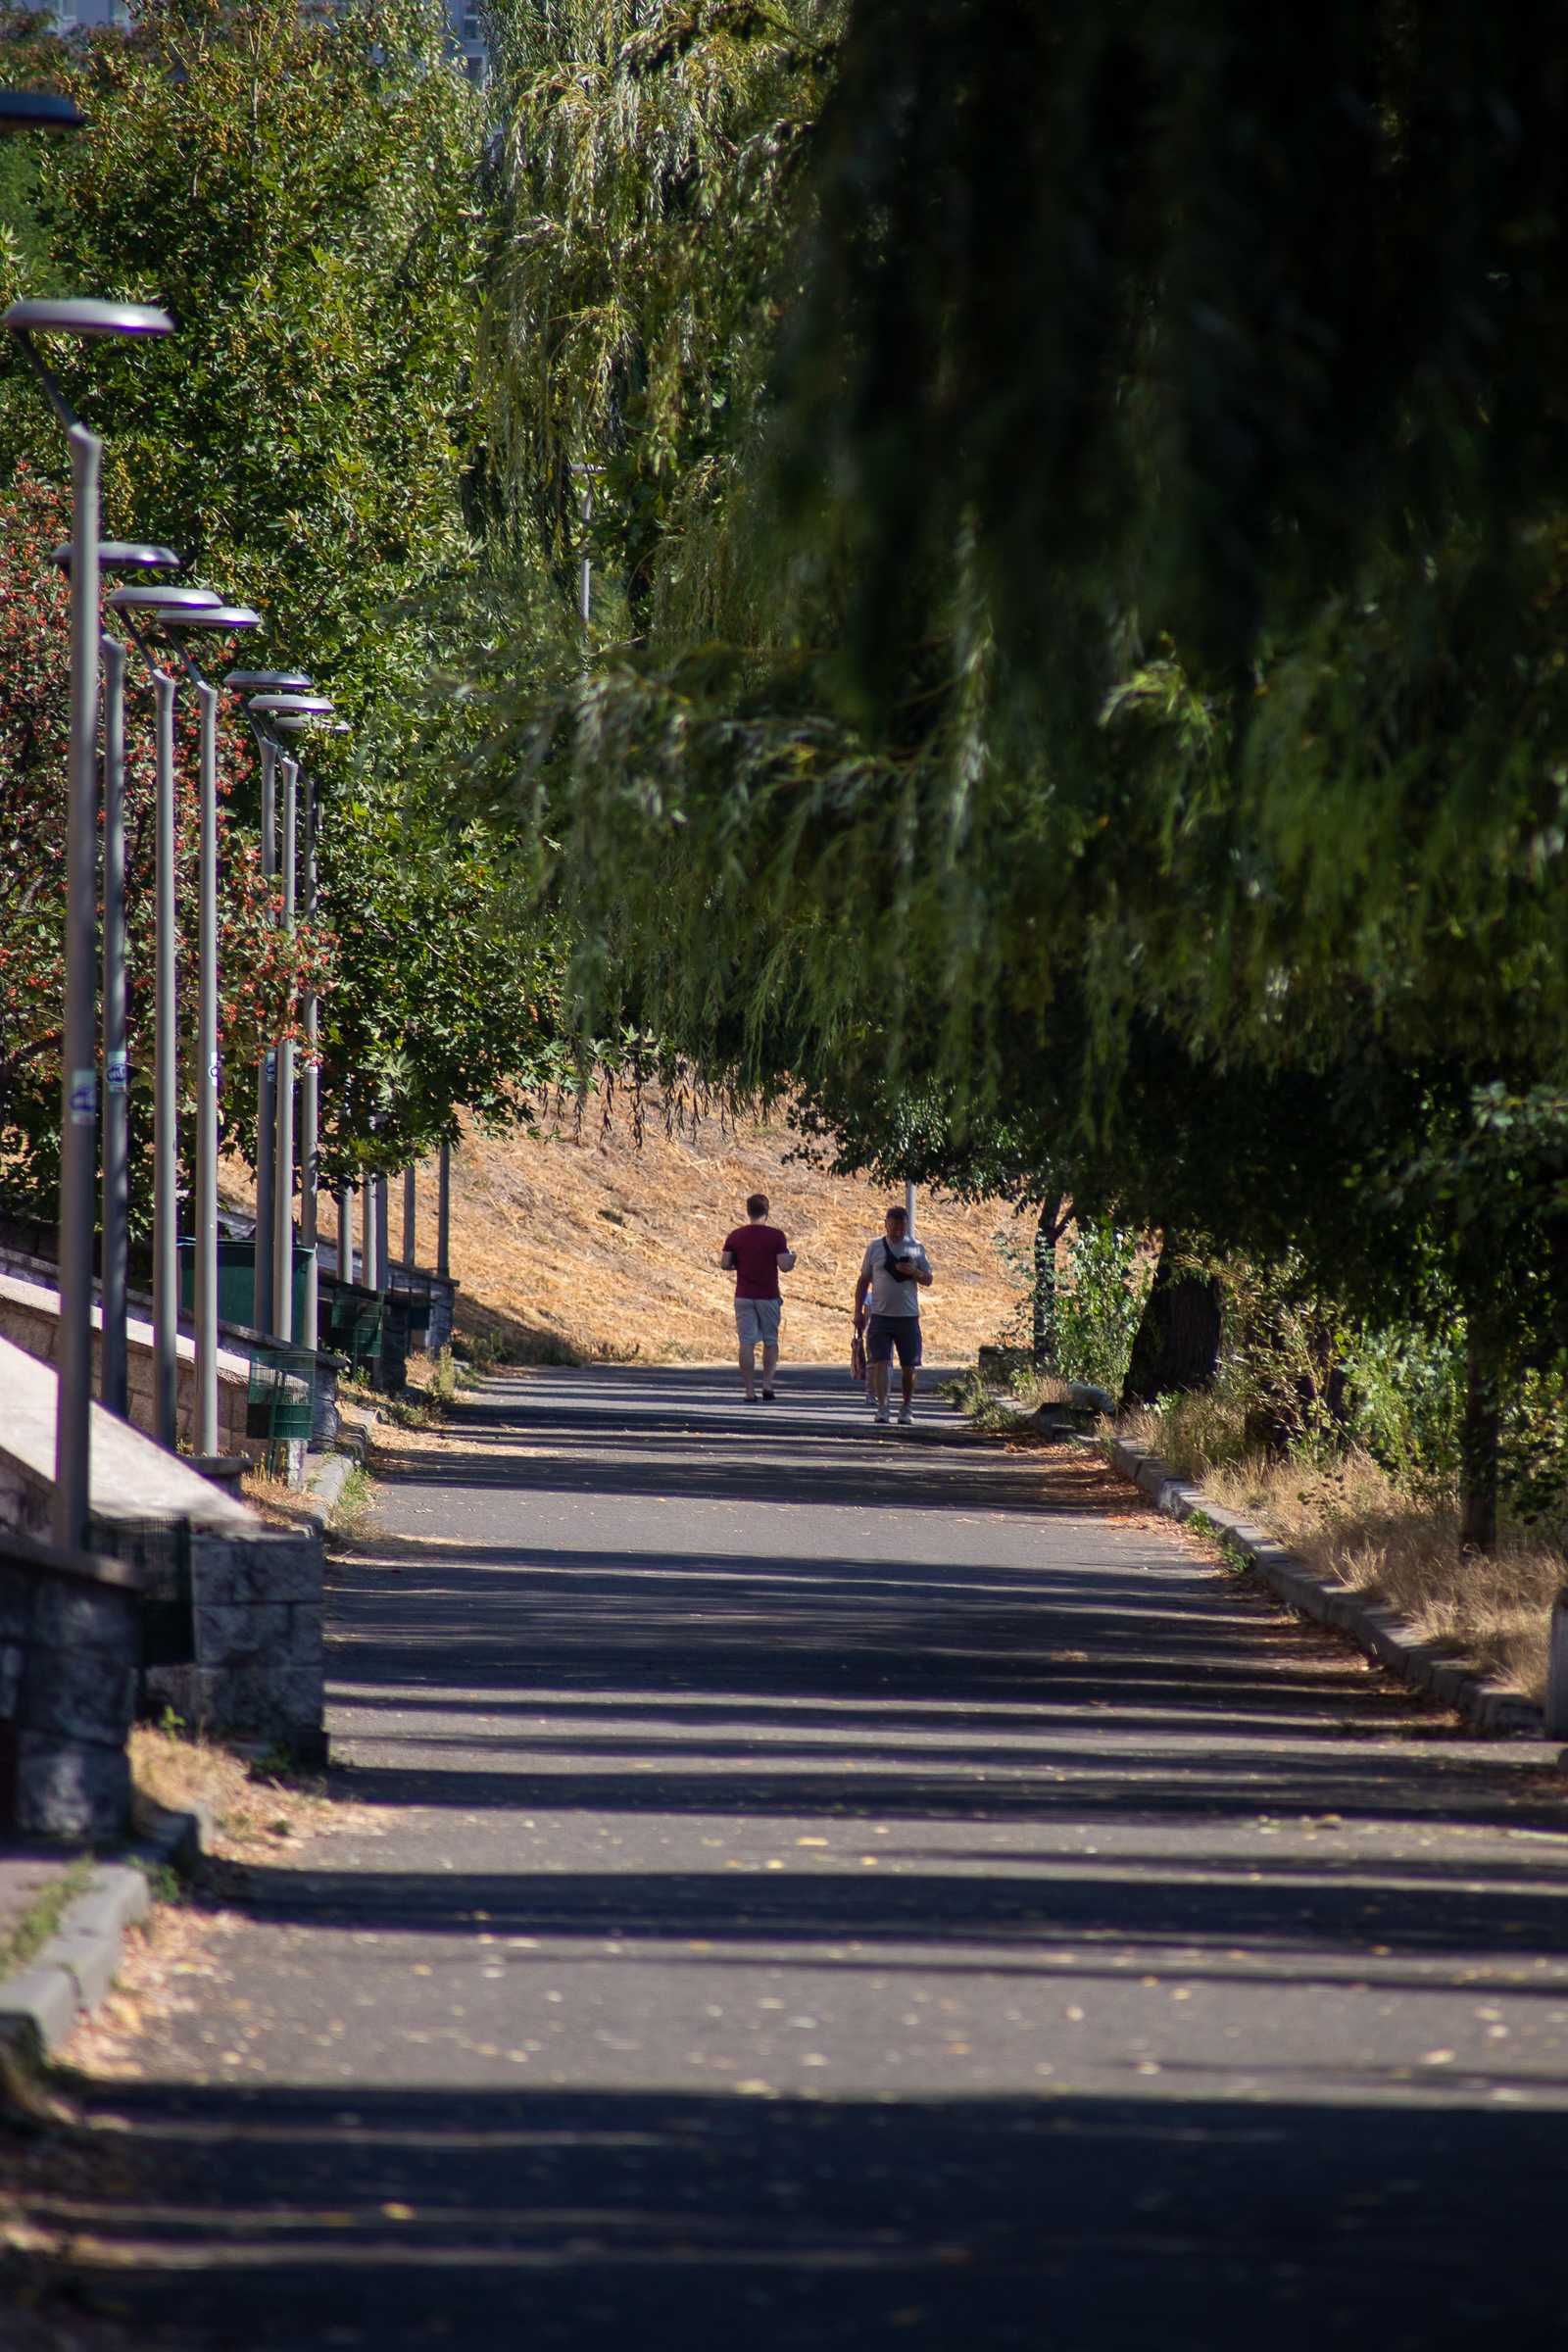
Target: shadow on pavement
{"type": "Point", "coordinates": [668, 2222]}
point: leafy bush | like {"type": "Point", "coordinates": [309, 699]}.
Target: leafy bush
{"type": "Point", "coordinates": [1100, 1302]}
{"type": "Point", "coordinates": [1406, 1402]}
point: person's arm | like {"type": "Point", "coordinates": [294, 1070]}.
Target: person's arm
{"type": "Point", "coordinates": [786, 1261]}
{"type": "Point", "coordinates": [922, 1272]}
{"type": "Point", "coordinates": [860, 1288]}
{"type": "Point", "coordinates": [726, 1261]}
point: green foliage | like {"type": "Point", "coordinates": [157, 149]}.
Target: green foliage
{"type": "Point", "coordinates": [300, 189]}
{"type": "Point", "coordinates": [1099, 1303]}
{"type": "Point", "coordinates": [1123, 589]}
{"type": "Point", "coordinates": [264, 971]}
{"type": "Point", "coordinates": [1407, 1395]}
{"type": "Point", "coordinates": [640, 181]}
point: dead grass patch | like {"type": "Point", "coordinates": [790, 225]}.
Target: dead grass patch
{"type": "Point", "coordinates": [253, 1807]}
{"type": "Point", "coordinates": [277, 1503]}
{"type": "Point", "coordinates": [1351, 1520]}
{"type": "Point", "coordinates": [571, 1245]}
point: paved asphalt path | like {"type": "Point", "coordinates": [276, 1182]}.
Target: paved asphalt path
{"type": "Point", "coordinates": [818, 1886]}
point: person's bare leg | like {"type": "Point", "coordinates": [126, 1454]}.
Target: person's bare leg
{"type": "Point", "coordinates": [770, 1362]}
{"type": "Point", "coordinates": [909, 1385]}
{"type": "Point", "coordinates": [879, 1385]}
{"type": "Point", "coordinates": [748, 1365]}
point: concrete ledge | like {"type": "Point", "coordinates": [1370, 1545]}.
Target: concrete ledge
{"type": "Point", "coordinates": [1377, 1630]}
{"type": "Point", "coordinates": [39, 2007]}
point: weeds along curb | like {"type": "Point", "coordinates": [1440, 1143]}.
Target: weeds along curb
{"type": "Point", "coordinates": [324, 1488]}
{"type": "Point", "coordinates": [1378, 1631]}
{"type": "Point", "coordinates": [42, 2003]}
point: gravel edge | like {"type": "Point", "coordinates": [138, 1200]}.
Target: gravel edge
{"type": "Point", "coordinates": [1377, 1631]}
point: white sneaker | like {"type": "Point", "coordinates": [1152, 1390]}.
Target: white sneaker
{"type": "Point", "coordinates": [883, 1416]}
{"type": "Point", "coordinates": [906, 1416]}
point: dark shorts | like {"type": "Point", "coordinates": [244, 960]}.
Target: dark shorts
{"type": "Point", "coordinates": [889, 1333]}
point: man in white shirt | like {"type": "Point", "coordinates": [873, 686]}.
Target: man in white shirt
{"type": "Point", "coordinates": [894, 1270]}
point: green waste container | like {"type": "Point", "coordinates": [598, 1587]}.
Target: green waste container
{"type": "Point", "coordinates": [350, 1324]}
{"type": "Point", "coordinates": [236, 1282]}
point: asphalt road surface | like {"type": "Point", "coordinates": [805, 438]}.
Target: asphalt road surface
{"type": "Point", "coordinates": [818, 1886]}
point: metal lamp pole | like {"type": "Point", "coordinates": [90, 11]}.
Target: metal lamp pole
{"type": "Point", "coordinates": [311, 1084]}
{"type": "Point", "coordinates": [283, 1178]}
{"type": "Point", "coordinates": [116, 555]}
{"type": "Point", "coordinates": [77, 1059]}
{"type": "Point", "coordinates": [309, 1102]}
{"type": "Point", "coordinates": [290, 713]}
{"type": "Point", "coordinates": [152, 604]}
{"type": "Point", "coordinates": [262, 681]}
{"type": "Point", "coordinates": [226, 619]}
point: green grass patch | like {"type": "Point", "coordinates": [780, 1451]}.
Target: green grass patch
{"type": "Point", "coordinates": [32, 1931]}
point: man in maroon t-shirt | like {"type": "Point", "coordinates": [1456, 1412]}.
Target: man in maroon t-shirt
{"type": "Point", "coordinates": [757, 1253]}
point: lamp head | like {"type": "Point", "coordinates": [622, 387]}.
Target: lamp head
{"type": "Point", "coordinates": [122, 554]}
{"type": "Point", "coordinates": [227, 617]}
{"type": "Point", "coordinates": [297, 705]}
{"type": "Point", "coordinates": [84, 316]}
{"type": "Point", "coordinates": [38, 110]}
{"type": "Point", "coordinates": [159, 602]}
{"type": "Point", "coordinates": [269, 681]}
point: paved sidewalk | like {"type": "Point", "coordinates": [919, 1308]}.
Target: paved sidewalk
{"type": "Point", "coordinates": [815, 1889]}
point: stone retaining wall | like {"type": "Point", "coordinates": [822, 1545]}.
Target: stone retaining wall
{"type": "Point", "coordinates": [29, 1317]}
{"type": "Point", "coordinates": [258, 1665]}
{"type": "Point", "coordinates": [69, 1647]}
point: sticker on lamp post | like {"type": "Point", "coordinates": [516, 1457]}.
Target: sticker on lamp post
{"type": "Point", "coordinates": [215, 1069]}
{"type": "Point", "coordinates": [117, 1074]}
{"type": "Point", "coordinates": [83, 1098]}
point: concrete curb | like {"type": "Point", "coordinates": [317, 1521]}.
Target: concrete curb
{"type": "Point", "coordinates": [41, 2006]}
{"type": "Point", "coordinates": [1378, 1631]}
{"type": "Point", "coordinates": [323, 1488]}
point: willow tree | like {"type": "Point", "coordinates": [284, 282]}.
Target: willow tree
{"type": "Point", "coordinates": [642, 182]}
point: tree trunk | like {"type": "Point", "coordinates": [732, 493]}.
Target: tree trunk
{"type": "Point", "coordinates": [1478, 1438]}
{"type": "Point", "coordinates": [1048, 1231]}
{"type": "Point", "coordinates": [1177, 1346]}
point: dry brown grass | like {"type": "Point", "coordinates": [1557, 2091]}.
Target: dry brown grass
{"type": "Point", "coordinates": [1352, 1522]}
{"type": "Point", "coordinates": [278, 1503]}
{"type": "Point", "coordinates": [586, 1247]}
{"type": "Point", "coordinates": [251, 1811]}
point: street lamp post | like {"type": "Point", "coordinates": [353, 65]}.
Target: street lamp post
{"type": "Point", "coordinates": [309, 1094]}
{"type": "Point", "coordinates": [292, 712]}
{"type": "Point", "coordinates": [116, 555]}
{"type": "Point", "coordinates": [261, 681]}
{"type": "Point", "coordinates": [370, 1271]}
{"type": "Point", "coordinates": [77, 1061]}
{"type": "Point", "coordinates": [151, 604]}
{"type": "Point", "coordinates": [283, 1148]}
{"type": "Point", "coordinates": [226, 619]}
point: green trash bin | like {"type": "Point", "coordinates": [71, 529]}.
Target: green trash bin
{"type": "Point", "coordinates": [350, 1324]}
{"type": "Point", "coordinates": [236, 1282]}
{"type": "Point", "coordinates": [279, 1405]}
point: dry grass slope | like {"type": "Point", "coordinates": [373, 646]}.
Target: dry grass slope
{"type": "Point", "coordinates": [593, 1246]}
{"type": "Point", "coordinates": [580, 1245]}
